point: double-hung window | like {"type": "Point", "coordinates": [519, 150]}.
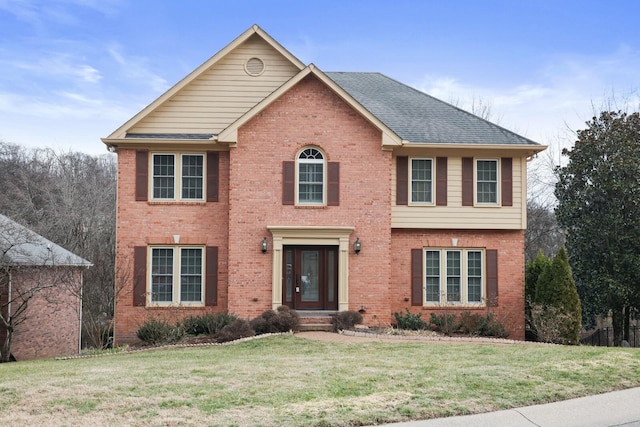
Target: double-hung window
{"type": "Point", "coordinates": [421, 180]}
{"type": "Point", "coordinates": [311, 177]}
{"type": "Point", "coordinates": [177, 275]}
{"type": "Point", "coordinates": [178, 176]}
{"type": "Point", "coordinates": [487, 181]}
{"type": "Point", "coordinates": [454, 276]}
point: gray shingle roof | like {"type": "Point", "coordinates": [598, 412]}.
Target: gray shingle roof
{"type": "Point", "coordinates": [21, 246]}
{"type": "Point", "coordinates": [420, 118]}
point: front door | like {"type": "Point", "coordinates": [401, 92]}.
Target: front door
{"type": "Point", "coordinates": [310, 277]}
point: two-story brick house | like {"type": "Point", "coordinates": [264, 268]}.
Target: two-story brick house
{"type": "Point", "coordinates": [258, 181]}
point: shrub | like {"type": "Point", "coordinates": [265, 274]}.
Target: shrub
{"type": "Point", "coordinates": [410, 321]}
{"type": "Point", "coordinates": [288, 319]}
{"type": "Point", "coordinates": [479, 325]}
{"type": "Point", "coordinates": [213, 323]}
{"type": "Point", "coordinates": [209, 324]}
{"type": "Point", "coordinates": [345, 320]}
{"type": "Point", "coordinates": [193, 325]}
{"type": "Point", "coordinates": [239, 328]}
{"type": "Point", "coordinates": [445, 323]}
{"type": "Point", "coordinates": [493, 328]}
{"type": "Point", "coordinates": [556, 288]}
{"type": "Point", "coordinates": [282, 320]}
{"type": "Point", "coordinates": [156, 331]}
{"type": "Point", "coordinates": [472, 323]}
{"type": "Point", "coordinates": [552, 325]}
{"type": "Point", "coordinates": [533, 271]}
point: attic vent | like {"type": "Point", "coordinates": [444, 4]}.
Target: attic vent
{"type": "Point", "coordinates": [254, 66]}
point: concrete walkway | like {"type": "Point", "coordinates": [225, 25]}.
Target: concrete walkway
{"type": "Point", "coordinates": [618, 408]}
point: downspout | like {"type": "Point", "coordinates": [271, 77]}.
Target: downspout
{"type": "Point", "coordinates": [80, 312]}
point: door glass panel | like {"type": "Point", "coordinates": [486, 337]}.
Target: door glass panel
{"type": "Point", "coordinates": [309, 281]}
{"type": "Point", "coordinates": [331, 273]}
{"type": "Point", "coordinates": [289, 276]}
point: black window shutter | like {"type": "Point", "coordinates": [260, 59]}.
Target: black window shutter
{"type": "Point", "coordinates": [402, 180]}
{"type": "Point", "coordinates": [211, 276]}
{"type": "Point", "coordinates": [139, 276]}
{"type": "Point", "coordinates": [142, 175]}
{"type": "Point", "coordinates": [416, 277]}
{"type": "Point", "coordinates": [507, 181]}
{"type": "Point", "coordinates": [288, 182]}
{"type": "Point", "coordinates": [467, 181]}
{"type": "Point", "coordinates": [213, 171]}
{"type": "Point", "coordinates": [492, 277]}
{"type": "Point", "coordinates": [441, 181]}
{"type": "Point", "coordinates": [333, 184]}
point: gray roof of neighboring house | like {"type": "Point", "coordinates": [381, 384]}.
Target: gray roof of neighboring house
{"type": "Point", "coordinates": [420, 118]}
{"type": "Point", "coordinates": [21, 246]}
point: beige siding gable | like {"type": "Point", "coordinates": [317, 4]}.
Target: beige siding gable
{"type": "Point", "coordinates": [222, 93]}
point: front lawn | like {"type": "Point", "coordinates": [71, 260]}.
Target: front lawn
{"type": "Point", "coordinates": [287, 380]}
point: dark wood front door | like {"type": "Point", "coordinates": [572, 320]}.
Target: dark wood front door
{"type": "Point", "coordinates": [310, 277]}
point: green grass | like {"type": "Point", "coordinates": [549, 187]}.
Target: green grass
{"type": "Point", "coordinates": [286, 380]}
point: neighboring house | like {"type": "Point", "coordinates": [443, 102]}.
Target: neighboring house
{"type": "Point", "coordinates": [258, 181]}
{"type": "Point", "coordinates": [40, 289]}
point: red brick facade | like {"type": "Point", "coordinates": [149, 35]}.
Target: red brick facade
{"type": "Point", "coordinates": [251, 200]}
{"type": "Point", "coordinates": [255, 198]}
{"type": "Point", "coordinates": [510, 246]}
{"type": "Point", "coordinates": [156, 223]}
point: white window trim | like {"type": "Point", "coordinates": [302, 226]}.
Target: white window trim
{"type": "Point", "coordinates": [410, 182]}
{"type": "Point", "coordinates": [498, 201]}
{"type": "Point", "coordinates": [177, 264]}
{"type": "Point", "coordinates": [464, 291]}
{"type": "Point", "coordinates": [324, 176]}
{"type": "Point", "coordinates": [177, 178]}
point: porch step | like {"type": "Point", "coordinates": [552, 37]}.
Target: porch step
{"type": "Point", "coordinates": [316, 320]}
{"type": "Point", "coordinates": [316, 327]}
{"type": "Point", "coordinates": [316, 313]}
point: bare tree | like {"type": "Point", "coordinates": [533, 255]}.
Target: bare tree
{"type": "Point", "coordinates": [69, 198]}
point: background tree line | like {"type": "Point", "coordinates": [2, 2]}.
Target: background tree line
{"type": "Point", "coordinates": [69, 198]}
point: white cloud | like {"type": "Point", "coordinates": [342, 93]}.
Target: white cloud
{"type": "Point", "coordinates": [548, 102]}
{"type": "Point", "coordinates": [65, 66]}
{"type": "Point", "coordinates": [38, 13]}
{"type": "Point", "coordinates": [135, 69]}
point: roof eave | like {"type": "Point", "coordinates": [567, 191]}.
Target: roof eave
{"type": "Point", "coordinates": [530, 149]}
{"type": "Point", "coordinates": [212, 144]}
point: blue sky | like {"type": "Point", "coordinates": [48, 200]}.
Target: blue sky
{"type": "Point", "coordinates": [72, 71]}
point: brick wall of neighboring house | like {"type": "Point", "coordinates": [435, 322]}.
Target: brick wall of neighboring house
{"type": "Point", "coordinates": [142, 223]}
{"type": "Point", "coordinates": [309, 114]}
{"type": "Point", "coordinates": [510, 246]}
{"type": "Point", "coordinates": [51, 325]}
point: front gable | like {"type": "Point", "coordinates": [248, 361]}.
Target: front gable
{"type": "Point", "coordinates": [215, 94]}
{"type": "Point", "coordinates": [389, 138]}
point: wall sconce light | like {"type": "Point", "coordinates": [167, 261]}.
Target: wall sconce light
{"type": "Point", "coordinates": [264, 246]}
{"type": "Point", "coordinates": [357, 246]}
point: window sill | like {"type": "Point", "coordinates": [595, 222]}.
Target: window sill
{"type": "Point", "coordinates": [487, 205]}
{"type": "Point", "coordinates": [454, 306]}
{"type": "Point", "coordinates": [158, 306]}
{"type": "Point", "coordinates": [310, 206]}
{"type": "Point", "coordinates": [177, 202]}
